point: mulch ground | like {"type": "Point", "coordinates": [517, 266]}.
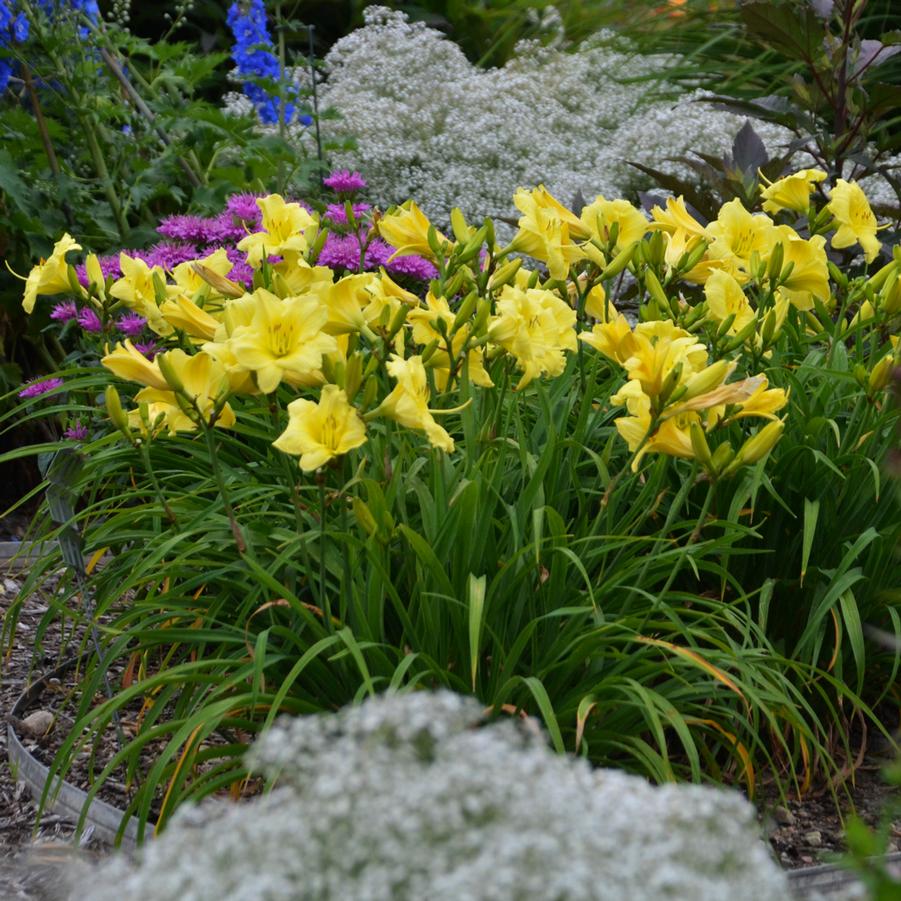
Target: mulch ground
{"type": "Point", "coordinates": [802, 832]}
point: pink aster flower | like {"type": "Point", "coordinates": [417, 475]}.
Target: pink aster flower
{"type": "Point", "coordinates": [131, 325]}
{"type": "Point", "coordinates": [89, 320]}
{"type": "Point", "coordinates": [65, 311]}
{"type": "Point", "coordinates": [345, 182]}
{"type": "Point", "coordinates": [37, 387]}
{"type": "Point", "coordinates": [76, 432]}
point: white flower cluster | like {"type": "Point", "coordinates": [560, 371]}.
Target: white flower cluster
{"type": "Point", "coordinates": [431, 126]}
{"type": "Point", "coordinates": [414, 796]}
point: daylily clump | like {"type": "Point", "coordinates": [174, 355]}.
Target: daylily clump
{"type": "Point", "coordinates": [346, 352]}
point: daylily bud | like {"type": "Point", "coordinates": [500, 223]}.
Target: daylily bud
{"type": "Point", "coordinates": [533, 280]}
{"type": "Point", "coordinates": [787, 271]}
{"type": "Point", "coordinates": [429, 351]}
{"type": "Point", "coordinates": [452, 287]}
{"type": "Point", "coordinates": [757, 446]}
{"type": "Point", "coordinates": [489, 233]}
{"type": "Point", "coordinates": [462, 231]}
{"type": "Point", "coordinates": [742, 336]}
{"type": "Point", "coordinates": [505, 274]}
{"type": "Point", "coordinates": [353, 375]}
{"type": "Point", "coordinates": [74, 283]}
{"type": "Point", "coordinates": [483, 311]}
{"type": "Point", "coordinates": [669, 383]}
{"type": "Point", "coordinates": [721, 457]}
{"type": "Point", "coordinates": [769, 329]}
{"type": "Point", "coordinates": [365, 519]}
{"type": "Point", "coordinates": [159, 288]}
{"type": "Point", "coordinates": [398, 320]}
{"type": "Point", "coordinates": [316, 247]}
{"type": "Point", "coordinates": [700, 446]}
{"type": "Point", "coordinates": [115, 411]}
{"type": "Point", "coordinates": [837, 275]}
{"type": "Point", "coordinates": [434, 243]}
{"type": "Point", "coordinates": [619, 262]}
{"type": "Point", "coordinates": [655, 289]}
{"type": "Point", "coordinates": [473, 246]}
{"type": "Point", "coordinates": [169, 372]}
{"type": "Point", "coordinates": [465, 311]}
{"type": "Point", "coordinates": [688, 261]}
{"type": "Point", "coordinates": [725, 325]}
{"type": "Point", "coordinates": [370, 392]}
{"type": "Point", "coordinates": [877, 280]}
{"type": "Point", "coordinates": [708, 379]}
{"type": "Point", "coordinates": [775, 266]}
{"type": "Point", "coordinates": [655, 250]}
{"type": "Point", "coordinates": [881, 374]}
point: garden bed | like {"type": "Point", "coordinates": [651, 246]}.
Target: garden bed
{"type": "Point", "coordinates": [803, 833]}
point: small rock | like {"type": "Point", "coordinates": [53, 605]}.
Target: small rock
{"type": "Point", "coordinates": [785, 858]}
{"type": "Point", "coordinates": [814, 838]}
{"type": "Point", "coordinates": [10, 586]}
{"type": "Point", "coordinates": [37, 724]}
{"type": "Point", "coordinates": [784, 817]}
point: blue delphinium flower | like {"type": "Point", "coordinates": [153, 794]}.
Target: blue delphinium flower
{"type": "Point", "coordinates": [254, 59]}
{"type": "Point", "coordinates": [15, 27]}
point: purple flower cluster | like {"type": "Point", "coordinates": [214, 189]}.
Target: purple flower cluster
{"type": "Point", "coordinates": [345, 182]}
{"type": "Point", "coordinates": [336, 213]}
{"type": "Point", "coordinates": [76, 432]}
{"type": "Point", "coordinates": [343, 252]}
{"type": "Point", "coordinates": [189, 237]}
{"type": "Point", "coordinates": [37, 387]}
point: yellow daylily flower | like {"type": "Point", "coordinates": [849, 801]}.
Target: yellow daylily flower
{"type": "Point", "coordinates": [600, 217]}
{"type": "Point", "coordinates": [613, 339]}
{"type": "Point", "coordinates": [536, 327]}
{"type": "Point", "coordinates": [792, 192]}
{"type": "Point", "coordinates": [282, 339]}
{"type": "Point", "coordinates": [408, 402]}
{"type": "Point", "coordinates": [50, 276]}
{"type": "Point", "coordinates": [547, 231]}
{"type": "Point", "coordinates": [204, 381]}
{"type": "Point", "coordinates": [318, 432]}
{"type": "Point", "coordinates": [660, 346]}
{"type": "Point", "coordinates": [675, 218]}
{"type": "Point", "coordinates": [137, 291]}
{"type": "Point", "coordinates": [672, 437]}
{"type": "Point", "coordinates": [424, 322]}
{"type": "Point", "coordinates": [189, 282]}
{"type": "Point", "coordinates": [129, 363]}
{"type": "Point", "coordinates": [809, 275]}
{"type": "Point", "coordinates": [288, 230]}
{"type": "Point", "coordinates": [764, 402]}
{"type": "Point", "coordinates": [386, 297]}
{"type": "Point", "coordinates": [855, 220]}
{"type": "Point", "coordinates": [736, 234]}
{"type": "Point", "coordinates": [347, 301]}
{"type": "Point", "coordinates": [407, 230]}
{"type": "Point", "coordinates": [725, 298]}
{"type": "Point", "coordinates": [182, 313]}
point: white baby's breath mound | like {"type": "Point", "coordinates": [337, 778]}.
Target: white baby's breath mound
{"type": "Point", "coordinates": [431, 126]}
{"type": "Point", "coordinates": [414, 797]}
